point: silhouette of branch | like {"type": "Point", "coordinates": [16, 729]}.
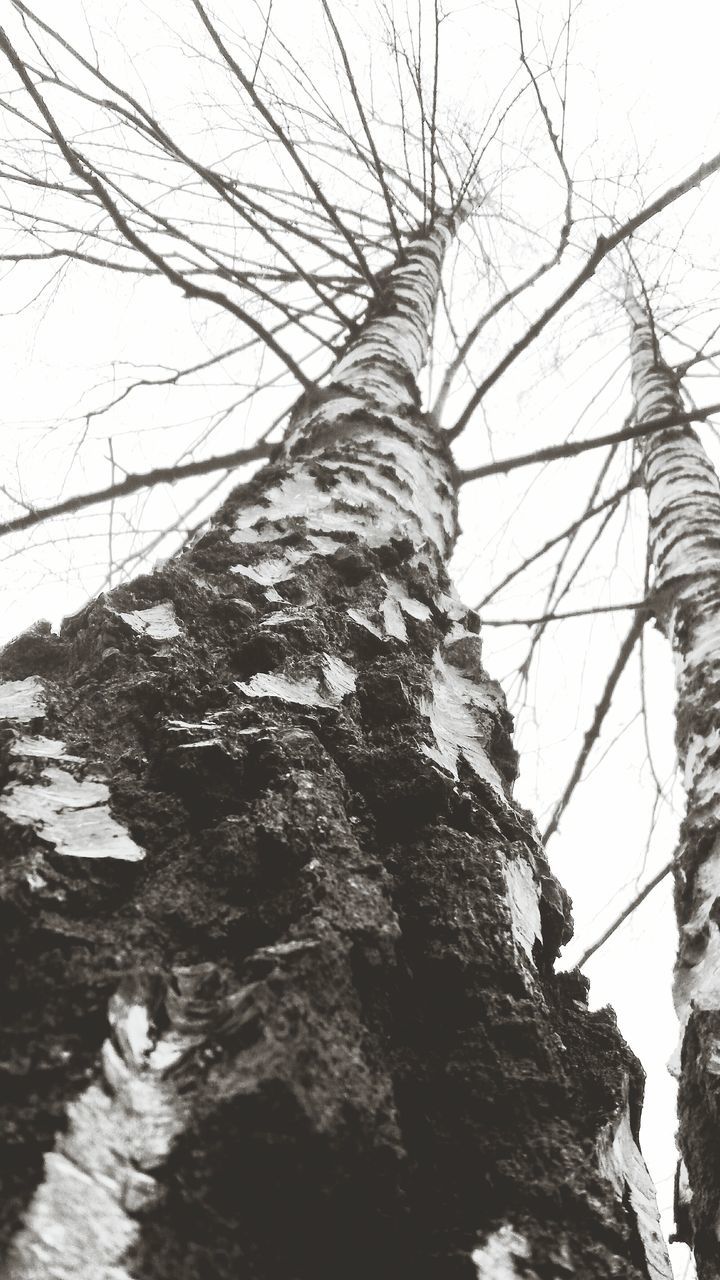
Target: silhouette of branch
{"type": "Point", "coordinates": [133, 482]}
{"type": "Point", "coordinates": [603, 706]}
{"type": "Point", "coordinates": [573, 447]}
{"type": "Point", "coordinates": [83, 170]}
{"type": "Point", "coordinates": [377, 162]}
{"type": "Point", "coordinates": [282, 137]}
{"type": "Point", "coordinates": [603, 246]}
{"type": "Point", "coordinates": [567, 532]}
{"type": "Point", "coordinates": [625, 913]}
{"type": "Point", "coordinates": [558, 617]}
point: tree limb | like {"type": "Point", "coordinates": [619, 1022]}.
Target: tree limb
{"type": "Point", "coordinates": [133, 482]}
{"type": "Point", "coordinates": [572, 447]}
{"type": "Point", "coordinates": [601, 711]}
{"type": "Point", "coordinates": [603, 246]}
{"type": "Point", "coordinates": [625, 913]}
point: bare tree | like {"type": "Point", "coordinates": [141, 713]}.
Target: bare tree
{"type": "Point", "coordinates": [683, 495]}
{"type": "Point", "coordinates": [281, 944]}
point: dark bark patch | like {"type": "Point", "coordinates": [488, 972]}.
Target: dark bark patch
{"type": "Point", "coordinates": [35, 652]}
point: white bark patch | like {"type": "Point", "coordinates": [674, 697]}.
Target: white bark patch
{"type": "Point", "coordinates": [296, 556]}
{"type": "Point", "coordinates": [282, 616]}
{"type": "Point", "coordinates": [497, 1258]}
{"type": "Point", "coordinates": [379, 485]}
{"type": "Point", "coordinates": [373, 380]}
{"type": "Point", "coordinates": [621, 1162]}
{"type": "Point", "coordinates": [326, 546]}
{"type": "Point", "coordinates": [416, 465]}
{"type": "Point", "coordinates": [411, 466]}
{"type": "Point", "coordinates": [523, 894]}
{"type": "Point", "coordinates": [304, 693]}
{"type": "Point", "coordinates": [71, 815]}
{"type": "Point", "coordinates": [267, 573]}
{"type": "Point", "coordinates": [697, 771]}
{"type": "Point", "coordinates": [364, 501]}
{"type": "Point", "coordinates": [44, 748]}
{"type": "Point", "coordinates": [158, 622]}
{"type": "Point", "coordinates": [254, 535]}
{"type": "Point", "coordinates": [452, 713]}
{"type": "Point", "coordinates": [705, 646]}
{"type": "Point", "coordinates": [375, 511]}
{"type": "Point", "coordinates": [22, 700]}
{"type": "Point", "coordinates": [299, 497]}
{"type": "Point", "coordinates": [415, 608]}
{"type": "Point", "coordinates": [81, 1220]}
{"type": "Point", "coordinates": [393, 619]}
{"type": "Point", "coordinates": [338, 679]}
{"type": "Point", "coordinates": [295, 947]}
{"type": "Point", "coordinates": [190, 726]}
{"type": "Point", "coordinates": [453, 607]}
{"type": "Point", "coordinates": [362, 620]}
{"type": "Point", "coordinates": [697, 972]}
{"type": "Point", "coordinates": [296, 495]}
{"type": "Point", "coordinates": [396, 603]}
{"type": "Point", "coordinates": [339, 406]}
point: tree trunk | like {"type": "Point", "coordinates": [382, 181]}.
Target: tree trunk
{"type": "Point", "coordinates": [258, 819]}
{"type": "Point", "coordinates": [683, 496]}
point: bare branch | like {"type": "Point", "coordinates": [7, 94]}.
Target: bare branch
{"type": "Point", "coordinates": [286, 142]}
{"type": "Point", "coordinates": [603, 246]}
{"type": "Point", "coordinates": [474, 333]}
{"type": "Point", "coordinates": [134, 482]}
{"type": "Point", "coordinates": [140, 119]}
{"type": "Point", "coordinates": [559, 617]}
{"type": "Point", "coordinates": [573, 447]}
{"type": "Point", "coordinates": [558, 537]}
{"type": "Point", "coordinates": [603, 706]}
{"type": "Point", "coordinates": [626, 913]}
{"type": "Point", "coordinates": [554, 141]}
{"type": "Point", "coordinates": [83, 170]}
{"type": "Point", "coordinates": [379, 169]}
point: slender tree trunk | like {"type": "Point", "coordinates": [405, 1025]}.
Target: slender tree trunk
{"type": "Point", "coordinates": [281, 944]}
{"type": "Point", "coordinates": [684, 514]}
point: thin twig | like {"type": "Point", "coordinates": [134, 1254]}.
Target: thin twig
{"type": "Point", "coordinates": [558, 617]}
{"type": "Point", "coordinates": [603, 246]}
{"type": "Point", "coordinates": [568, 532]}
{"type": "Point", "coordinates": [625, 913]}
{"type": "Point", "coordinates": [603, 706]}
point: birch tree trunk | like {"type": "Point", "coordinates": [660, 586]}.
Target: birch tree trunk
{"type": "Point", "coordinates": [683, 496]}
{"type": "Point", "coordinates": [279, 944]}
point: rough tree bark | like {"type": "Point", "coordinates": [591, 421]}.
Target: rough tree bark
{"type": "Point", "coordinates": [683, 496]}
{"type": "Point", "coordinates": [279, 997]}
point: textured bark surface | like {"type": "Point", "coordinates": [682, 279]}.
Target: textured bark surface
{"type": "Point", "coordinates": [279, 944]}
{"type": "Point", "coordinates": [684, 512]}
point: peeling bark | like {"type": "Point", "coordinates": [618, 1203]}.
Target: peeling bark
{"type": "Point", "coordinates": [683, 496]}
{"type": "Point", "coordinates": [315, 1029]}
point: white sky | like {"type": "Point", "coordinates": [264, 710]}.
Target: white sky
{"type": "Point", "coordinates": [642, 83]}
